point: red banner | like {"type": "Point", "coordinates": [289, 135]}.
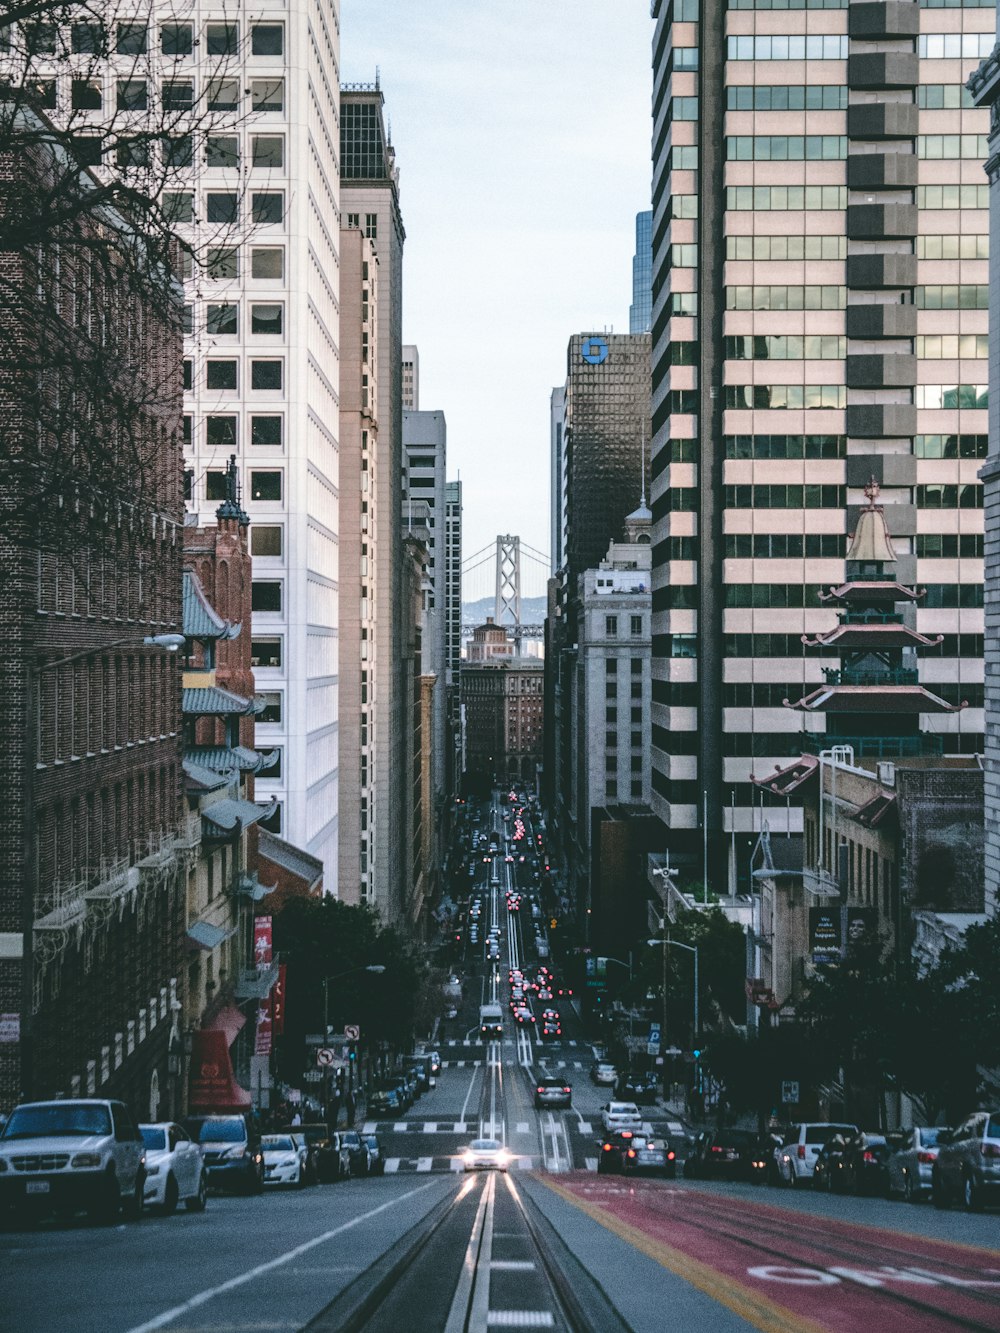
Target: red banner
{"type": "Point", "coordinates": [278, 1003]}
{"type": "Point", "coordinates": [262, 947]}
{"type": "Point", "coordinates": [262, 1044]}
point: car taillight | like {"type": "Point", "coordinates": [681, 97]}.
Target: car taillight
{"type": "Point", "coordinates": [990, 1149]}
{"type": "Point", "coordinates": [927, 1157]}
{"type": "Point", "coordinates": [607, 1147]}
{"type": "Point", "coordinates": [802, 1150]}
{"type": "Point", "coordinates": [630, 1153]}
{"type": "Point", "coordinates": [540, 1089]}
{"type": "Point", "coordinates": [567, 1089]}
{"type": "Point", "coordinates": [868, 1156]}
{"type": "Point", "coordinates": [670, 1156]}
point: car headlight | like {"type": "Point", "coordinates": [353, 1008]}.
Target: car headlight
{"type": "Point", "coordinates": [152, 1170]}
{"type": "Point", "coordinates": [503, 1155]}
{"type": "Point", "coordinates": [234, 1154]}
{"type": "Point", "coordinates": [289, 1161]}
{"type": "Point", "coordinates": [86, 1159]}
{"type": "Point", "coordinates": [468, 1156]}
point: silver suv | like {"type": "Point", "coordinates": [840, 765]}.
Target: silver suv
{"type": "Point", "coordinates": [968, 1162]}
{"type": "Point", "coordinates": [71, 1155]}
{"type": "Point", "coordinates": [796, 1159]}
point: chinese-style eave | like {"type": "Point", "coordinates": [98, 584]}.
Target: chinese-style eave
{"type": "Point", "coordinates": [877, 811]}
{"type": "Point", "coordinates": [875, 637]}
{"type": "Point", "coordinates": [786, 781]}
{"type": "Point", "coordinates": [893, 699]}
{"type": "Point", "coordinates": [874, 593]}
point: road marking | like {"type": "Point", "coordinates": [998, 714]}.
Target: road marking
{"type": "Point", "coordinates": [523, 1127]}
{"type": "Point", "coordinates": [520, 1319]}
{"type": "Point", "coordinates": [168, 1316]}
{"type": "Point", "coordinates": [430, 1127]}
{"type": "Point", "coordinates": [590, 1163]}
{"type": "Point", "coordinates": [586, 1127]}
{"type": "Point", "coordinates": [465, 1104]}
{"type": "Point", "coordinates": [512, 1265]}
{"type": "Point", "coordinates": [459, 1312]}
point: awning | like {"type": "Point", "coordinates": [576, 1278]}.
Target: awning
{"type": "Point", "coordinates": [213, 1086]}
{"type": "Point", "coordinates": [224, 817]}
{"type": "Point", "coordinates": [256, 983]}
{"type": "Point", "coordinates": [228, 1020]}
{"type": "Point", "coordinates": [207, 936]}
{"type": "Point", "coordinates": [199, 778]}
{"type": "Point", "coordinates": [250, 887]}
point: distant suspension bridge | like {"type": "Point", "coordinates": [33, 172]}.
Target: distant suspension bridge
{"type": "Point", "coordinates": [504, 559]}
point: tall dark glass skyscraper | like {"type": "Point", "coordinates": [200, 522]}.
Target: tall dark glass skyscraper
{"type": "Point", "coordinates": [641, 310]}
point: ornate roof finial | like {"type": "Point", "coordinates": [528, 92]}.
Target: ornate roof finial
{"type": "Point", "coordinates": [231, 507]}
{"type": "Point", "coordinates": [872, 489]}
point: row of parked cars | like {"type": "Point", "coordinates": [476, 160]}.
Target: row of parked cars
{"type": "Point", "coordinates": [949, 1165]}
{"type": "Point", "coordinates": [394, 1094]}
{"type": "Point", "coordinates": [90, 1155]}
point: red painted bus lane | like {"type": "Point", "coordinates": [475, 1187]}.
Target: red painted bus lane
{"type": "Point", "coordinates": [787, 1271]}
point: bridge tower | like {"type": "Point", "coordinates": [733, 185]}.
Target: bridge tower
{"type": "Point", "coordinates": [507, 602]}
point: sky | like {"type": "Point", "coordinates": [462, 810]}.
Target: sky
{"type": "Point", "coordinates": [522, 135]}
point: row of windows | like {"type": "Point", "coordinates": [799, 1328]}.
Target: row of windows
{"type": "Point", "coordinates": [266, 263]}
{"type": "Point", "coordinates": [952, 395]}
{"type": "Point", "coordinates": [786, 247]}
{"type": "Point", "coordinates": [764, 396]}
{"type": "Point", "coordinates": [785, 446]}
{"type": "Point", "coordinates": [944, 96]}
{"type": "Point", "coordinates": [953, 196]}
{"type": "Point", "coordinates": [225, 319]}
{"type": "Point", "coordinates": [87, 94]}
{"type": "Point", "coordinates": [797, 147]}
{"type": "Point", "coordinates": [611, 626]}
{"type": "Point", "coordinates": [133, 39]}
{"type": "Point", "coordinates": [797, 298]}
{"type": "Point", "coordinates": [267, 207]}
{"type": "Point", "coordinates": [949, 545]}
{"type": "Point", "coordinates": [936, 146]}
{"type": "Point", "coordinates": [955, 45]}
{"type": "Point", "coordinates": [950, 446]}
{"type": "Point", "coordinates": [939, 246]}
{"type": "Point", "coordinates": [684, 157]}
{"type": "Point", "coordinates": [223, 376]}
{"type": "Point", "coordinates": [787, 198]}
{"type": "Point", "coordinates": [222, 431]}
{"type": "Point", "coordinates": [953, 296]}
{"type": "Point", "coordinates": [785, 497]}
{"type": "Point", "coordinates": [940, 496]}
{"type": "Point", "coordinates": [222, 151]}
{"type": "Point", "coordinates": [784, 546]}
{"type": "Point", "coordinates": [635, 663]}
{"type": "Point", "coordinates": [683, 108]}
{"type": "Point", "coordinates": [264, 485]}
{"type": "Point", "coordinates": [798, 47]}
{"type": "Point", "coordinates": [787, 97]}
{"type": "Point", "coordinates": [952, 346]}
{"type": "Point", "coordinates": [786, 347]}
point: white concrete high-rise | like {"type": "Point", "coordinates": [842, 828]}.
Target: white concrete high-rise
{"type": "Point", "coordinates": [411, 378]}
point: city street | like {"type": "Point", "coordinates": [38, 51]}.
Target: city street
{"type": "Point", "coordinates": [547, 1244]}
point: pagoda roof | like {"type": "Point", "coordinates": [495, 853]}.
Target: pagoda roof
{"type": "Point", "coordinates": [870, 541]}
{"type": "Point", "coordinates": [785, 781]}
{"type": "Point", "coordinates": [876, 811]}
{"type": "Point", "coordinates": [200, 619]}
{"type": "Point", "coordinates": [875, 636]}
{"type": "Point", "coordinates": [229, 757]}
{"type": "Point", "coordinates": [873, 699]}
{"type": "Point", "coordinates": [214, 701]}
{"type": "Point", "coordinates": [884, 590]}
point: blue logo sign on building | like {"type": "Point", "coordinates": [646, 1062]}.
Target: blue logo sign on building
{"type": "Point", "coordinates": [594, 351]}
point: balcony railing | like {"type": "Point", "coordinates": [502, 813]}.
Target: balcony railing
{"type": "Point", "coordinates": [890, 676]}
{"type": "Point", "coordinates": [876, 747]}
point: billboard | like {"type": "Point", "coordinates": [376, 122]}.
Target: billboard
{"type": "Point", "coordinates": [262, 945]}
{"type": "Point", "coordinates": [824, 934]}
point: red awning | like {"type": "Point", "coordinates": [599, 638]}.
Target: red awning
{"type": "Point", "coordinates": [213, 1086]}
{"type": "Point", "coordinates": [228, 1020]}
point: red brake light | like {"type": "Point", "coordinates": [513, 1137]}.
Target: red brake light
{"type": "Point", "coordinates": [927, 1157]}
{"type": "Point", "coordinates": [716, 1148]}
{"type": "Point", "coordinates": [868, 1156]}
{"type": "Point", "coordinates": [670, 1156]}
{"type": "Point", "coordinates": [631, 1152]}
{"type": "Point", "coordinates": [567, 1089]}
{"type": "Point", "coordinates": [802, 1150]}
{"type": "Point", "coordinates": [607, 1147]}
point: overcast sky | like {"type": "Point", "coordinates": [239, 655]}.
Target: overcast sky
{"type": "Point", "coordinates": [522, 133]}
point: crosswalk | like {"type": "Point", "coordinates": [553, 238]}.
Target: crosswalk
{"type": "Point", "coordinates": [401, 1166]}
{"type": "Point", "coordinates": [549, 1064]}
{"type": "Point", "coordinates": [418, 1127]}
{"type": "Point", "coordinates": [469, 1041]}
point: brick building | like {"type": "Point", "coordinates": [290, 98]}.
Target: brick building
{"type": "Point", "coordinates": [91, 907]}
{"type": "Point", "coordinates": [503, 699]}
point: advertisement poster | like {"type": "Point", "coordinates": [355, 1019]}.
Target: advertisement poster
{"type": "Point", "coordinates": [824, 934]}
{"type": "Point", "coordinates": [262, 941]}
{"type": "Point", "coordinates": [278, 1003]}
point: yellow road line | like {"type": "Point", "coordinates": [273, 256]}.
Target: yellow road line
{"type": "Point", "coordinates": [757, 1310]}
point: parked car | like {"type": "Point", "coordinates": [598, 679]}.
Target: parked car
{"type": "Point", "coordinates": [611, 1152]}
{"type": "Point", "coordinates": [357, 1153]}
{"type": "Point", "coordinates": [376, 1157]}
{"type": "Point", "coordinates": [603, 1073]}
{"type": "Point", "coordinates": [63, 1156]}
{"type": "Point", "coordinates": [802, 1147]}
{"type": "Point", "coordinates": [552, 1091]}
{"type": "Point", "coordinates": [640, 1088]}
{"type": "Point", "coordinates": [724, 1154]}
{"type": "Point", "coordinates": [175, 1168]}
{"type": "Point", "coordinates": [620, 1115]}
{"type": "Point", "coordinates": [321, 1159]}
{"type": "Point", "coordinates": [911, 1166]}
{"type": "Point", "coordinates": [653, 1157]}
{"type": "Point", "coordinates": [968, 1163]}
{"type": "Point", "coordinates": [286, 1160]}
{"type": "Point", "coordinates": [230, 1145]}
{"type": "Point", "coordinates": [852, 1164]}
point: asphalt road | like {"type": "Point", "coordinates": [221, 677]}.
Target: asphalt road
{"type": "Point", "coordinates": [705, 1257]}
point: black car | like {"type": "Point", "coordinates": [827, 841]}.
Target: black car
{"type": "Point", "coordinates": [385, 1099]}
{"type": "Point", "coordinates": [853, 1164]}
{"type": "Point", "coordinates": [356, 1151]}
{"type": "Point", "coordinates": [725, 1154]}
{"type": "Point", "coordinates": [611, 1152]}
{"type": "Point", "coordinates": [230, 1146]}
{"type": "Point", "coordinates": [649, 1157]}
{"type": "Point", "coordinates": [638, 1088]}
{"type": "Point", "coordinates": [324, 1155]}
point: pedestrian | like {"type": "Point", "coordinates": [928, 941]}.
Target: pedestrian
{"type": "Point", "coordinates": [296, 1119]}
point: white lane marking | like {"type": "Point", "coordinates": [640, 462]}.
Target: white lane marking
{"type": "Point", "coordinates": [465, 1104]}
{"type": "Point", "coordinates": [430, 1127]}
{"type": "Point", "coordinates": [523, 1127]}
{"type": "Point", "coordinates": [424, 1163]}
{"type": "Point", "coordinates": [401, 1127]}
{"type": "Point", "coordinates": [168, 1316]}
{"type": "Point", "coordinates": [459, 1127]}
{"type": "Point", "coordinates": [590, 1163]}
{"type": "Point", "coordinates": [512, 1265]}
{"type": "Point", "coordinates": [392, 1164]}
{"type": "Point", "coordinates": [520, 1319]}
{"type": "Point", "coordinates": [458, 1313]}
{"type": "Point", "coordinates": [586, 1127]}
{"type": "Point", "coordinates": [370, 1127]}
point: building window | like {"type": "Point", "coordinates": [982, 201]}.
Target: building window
{"type": "Point", "coordinates": [176, 39]}
{"type": "Point", "coordinates": [132, 153]}
{"type": "Point", "coordinates": [215, 485]}
{"type": "Point", "coordinates": [220, 432]}
{"type": "Point", "coordinates": [85, 95]}
{"type": "Point", "coordinates": [88, 39]}
{"type": "Point", "coordinates": [267, 39]}
{"type": "Point", "coordinates": [222, 319]}
{"type": "Point", "coordinates": [222, 206]}
{"type": "Point", "coordinates": [265, 374]}
{"type": "Point", "coordinates": [267, 319]}
{"type": "Point", "coordinates": [272, 706]}
{"type": "Point", "coordinates": [273, 822]}
{"type": "Point", "coordinates": [187, 371]}
{"type": "Point", "coordinates": [635, 623]}
{"type": "Point", "coordinates": [265, 485]}
{"type": "Point", "coordinates": [223, 94]}
{"type": "Point", "coordinates": [371, 226]}
{"type": "Point", "coordinates": [268, 151]}
{"type": "Point", "coordinates": [637, 788]}
{"type": "Point", "coordinates": [265, 430]}
{"type": "Point", "coordinates": [178, 206]}
{"type": "Point", "coordinates": [220, 374]}
{"type": "Point", "coordinates": [133, 95]}
{"type": "Point", "coordinates": [223, 263]}
{"type": "Point", "coordinates": [267, 263]}
{"type": "Point", "coordinates": [222, 39]}
{"type": "Point", "coordinates": [267, 94]}
{"type": "Point", "coordinates": [266, 539]}
{"type": "Point", "coordinates": [265, 652]}
{"type": "Point", "coordinates": [222, 150]}
{"type": "Point", "coordinates": [268, 208]}
{"type": "Point", "coordinates": [611, 626]}
{"type": "Point", "coordinates": [178, 151]}
{"type": "Point", "coordinates": [266, 595]}
{"type": "Point", "coordinates": [274, 772]}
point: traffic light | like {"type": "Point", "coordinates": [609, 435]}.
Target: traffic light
{"type": "Point", "coordinates": [352, 1055]}
{"type": "Point", "coordinates": [696, 1054]}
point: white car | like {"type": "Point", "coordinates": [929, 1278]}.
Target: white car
{"type": "Point", "coordinates": [485, 1155]}
{"type": "Point", "coordinates": [175, 1168]}
{"type": "Point", "coordinates": [620, 1115]}
{"type": "Point", "coordinates": [797, 1159]}
{"type": "Point", "coordinates": [604, 1073]}
{"type": "Point", "coordinates": [911, 1168]}
{"type": "Point", "coordinates": [285, 1160]}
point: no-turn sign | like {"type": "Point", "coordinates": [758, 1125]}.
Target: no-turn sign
{"type": "Point", "coordinates": [324, 1056]}
{"type": "Point", "coordinates": [351, 1032]}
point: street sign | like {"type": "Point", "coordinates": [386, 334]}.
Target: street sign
{"type": "Point", "coordinates": [325, 1057]}
{"type": "Point", "coordinates": [673, 1050]}
{"type": "Point", "coordinates": [652, 1048]}
{"type": "Point", "coordinates": [351, 1032]}
{"type": "Point", "coordinates": [790, 1092]}
{"type": "Point", "coordinates": [654, 1033]}
{"type": "Point", "coordinates": [315, 1039]}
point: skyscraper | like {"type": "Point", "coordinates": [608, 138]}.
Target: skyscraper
{"type": "Point", "coordinates": [370, 196]}
{"type": "Point", "coordinates": [641, 310]}
{"type": "Point", "coordinates": [411, 378]}
{"type": "Point", "coordinates": [453, 630]}
{"type": "Point", "coordinates": [819, 271]}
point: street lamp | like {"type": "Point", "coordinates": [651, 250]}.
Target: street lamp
{"type": "Point", "coordinates": [170, 643]}
{"type": "Point", "coordinates": [667, 942]}
{"type": "Point", "coordinates": [376, 969]}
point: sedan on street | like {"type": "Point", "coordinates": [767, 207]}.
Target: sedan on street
{"type": "Point", "coordinates": [552, 1091]}
{"type": "Point", "coordinates": [485, 1155]}
{"type": "Point", "coordinates": [910, 1168]}
{"type": "Point", "coordinates": [175, 1168]}
{"type": "Point", "coordinates": [620, 1115]}
{"type": "Point", "coordinates": [286, 1160]}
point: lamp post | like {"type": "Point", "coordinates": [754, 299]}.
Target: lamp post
{"type": "Point", "coordinates": [29, 894]}
{"type": "Point", "coordinates": [667, 942]}
{"type": "Point", "coordinates": [376, 969]}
